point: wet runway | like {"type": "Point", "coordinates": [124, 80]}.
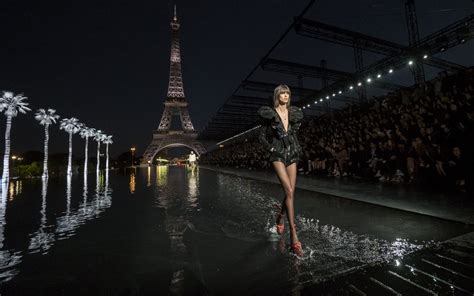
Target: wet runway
{"type": "Point", "coordinates": [173, 231]}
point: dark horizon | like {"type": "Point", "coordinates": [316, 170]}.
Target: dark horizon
{"type": "Point", "coordinates": [108, 63]}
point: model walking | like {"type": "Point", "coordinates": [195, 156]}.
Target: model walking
{"type": "Point", "coordinates": [280, 124]}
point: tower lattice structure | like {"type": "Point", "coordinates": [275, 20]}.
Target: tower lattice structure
{"type": "Point", "coordinates": [175, 104]}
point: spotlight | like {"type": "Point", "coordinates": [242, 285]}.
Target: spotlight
{"type": "Point", "coordinates": [359, 84]}
{"type": "Point", "coordinates": [321, 100]}
{"type": "Point", "coordinates": [462, 34]}
{"type": "Point", "coordinates": [425, 56]}
{"type": "Point", "coordinates": [333, 94]}
{"type": "Point", "coordinates": [442, 43]}
{"type": "Point", "coordinates": [308, 105]}
{"type": "Point", "coordinates": [327, 97]}
{"type": "Point", "coordinates": [379, 75]}
{"type": "Point", "coordinates": [390, 71]}
{"type": "Point", "coordinates": [315, 102]}
{"type": "Point", "coordinates": [410, 62]}
{"type": "Point", "coordinates": [369, 80]}
{"type": "Point", "coordinates": [303, 107]}
{"type": "Point", "coordinates": [351, 87]}
{"type": "Point", "coordinates": [339, 92]}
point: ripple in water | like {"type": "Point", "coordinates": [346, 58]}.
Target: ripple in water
{"type": "Point", "coordinates": [329, 250]}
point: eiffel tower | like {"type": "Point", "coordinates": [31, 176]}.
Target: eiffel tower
{"type": "Point", "coordinates": [175, 104]}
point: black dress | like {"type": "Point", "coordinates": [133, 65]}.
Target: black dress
{"type": "Point", "coordinates": [282, 145]}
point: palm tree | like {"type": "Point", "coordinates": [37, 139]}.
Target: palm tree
{"type": "Point", "coordinates": [99, 137]}
{"type": "Point", "coordinates": [86, 132]}
{"type": "Point", "coordinates": [108, 140]}
{"type": "Point", "coordinates": [71, 126]}
{"type": "Point", "coordinates": [10, 105]}
{"type": "Point", "coordinates": [46, 118]}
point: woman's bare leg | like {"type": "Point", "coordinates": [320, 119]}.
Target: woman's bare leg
{"type": "Point", "coordinates": [291, 171]}
{"type": "Point", "coordinates": [287, 177]}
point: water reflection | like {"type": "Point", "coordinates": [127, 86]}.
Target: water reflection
{"type": "Point", "coordinates": [43, 238]}
{"type": "Point", "coordinates": [178, 202]}
{"type": "Point", "coordinates": [15, 188]}
{"type": "Point", "coordinates": [88, 210]}
{"type": "Point", "coordinates": [148, 176]}
{"type": "Point", "coordinates": [132, 183]}
{"type": "Point", "coordinates": [161, 175]}
{"type": "Point", "coordinates": [8, 258]}
{"type": "Point", "coordinates": [216, 231]}
{"type": "Point", "coordinates": [193, 190]}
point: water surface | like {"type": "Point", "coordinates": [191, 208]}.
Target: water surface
{"type": "Point", "coordinates": [171, 230]}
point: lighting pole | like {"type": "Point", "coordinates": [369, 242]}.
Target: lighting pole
{"type": "Point", "coordinates": [14, 157]}
{"type": "Point", "coordinates": [133, 155]}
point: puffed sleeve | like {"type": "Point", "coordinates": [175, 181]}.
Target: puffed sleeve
{"type": "Point", "coordinates": [296, 114]}
{"type": "Point", "coordinates": [266, 114]}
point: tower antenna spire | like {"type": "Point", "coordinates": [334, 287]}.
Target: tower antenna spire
{"type": "Point", "coordinates": [175, 18]}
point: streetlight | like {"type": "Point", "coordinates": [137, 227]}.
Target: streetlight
{"type": "Point", "coordinates": [133, 155]}
{"type": "Point", "coordinates": [14, 157]}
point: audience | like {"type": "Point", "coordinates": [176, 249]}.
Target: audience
{"type": "Point", "coordinates": [418, 135]}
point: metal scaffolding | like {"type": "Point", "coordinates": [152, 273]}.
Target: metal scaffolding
{"type": "Point", "coordinates": [238, 113]}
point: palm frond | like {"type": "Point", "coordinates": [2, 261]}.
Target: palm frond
{"type": "Point", "coordinates": [46, 117]}
{"type": "Point", "coordinates": [108, 140]}
{"type": "Point", "coordinates": [11, 104]}
{"type": "Point", "coordinates": [70, 125]}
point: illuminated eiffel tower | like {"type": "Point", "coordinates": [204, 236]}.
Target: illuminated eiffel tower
{"type": "Point", "coordinates": [175, 104]}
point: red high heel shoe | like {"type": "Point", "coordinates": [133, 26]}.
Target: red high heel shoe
{"type": "Point", "coordinates": [297, 249]}
{"type": "Point", "coordinates": [281, 226]}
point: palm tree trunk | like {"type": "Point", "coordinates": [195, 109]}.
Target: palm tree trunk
{"type": "Point", "coordinates": [69, 163]}
{"type": "Point", "coordinates": [98, 156]}
{"type": "Point", "coordinates": [86, 155]}
{"type": "Point", "coordinates": [45, 161]}
{"type": "Point", "coordinates": [6, 157]}
{"type": "Point", "coordinates": [107, 161]}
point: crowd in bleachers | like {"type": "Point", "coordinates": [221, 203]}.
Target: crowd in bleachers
{"type": "Point", "coordinates": [421, 134]}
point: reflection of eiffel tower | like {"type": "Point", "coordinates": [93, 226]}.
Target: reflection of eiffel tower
{"type": "Point", "coordinates": [175, 104]}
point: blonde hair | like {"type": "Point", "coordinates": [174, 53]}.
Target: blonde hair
{"type": "Point", "coordinates": [282, 88]}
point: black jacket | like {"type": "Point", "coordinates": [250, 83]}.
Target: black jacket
{"type": "Point", "coordinates": [272, 132]}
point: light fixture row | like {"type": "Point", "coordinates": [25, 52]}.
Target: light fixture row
{"type": "Point", "coordinates": [369, 79]}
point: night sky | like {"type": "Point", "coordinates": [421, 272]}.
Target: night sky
{"type": "Point", "coordinates": [107, 62]}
